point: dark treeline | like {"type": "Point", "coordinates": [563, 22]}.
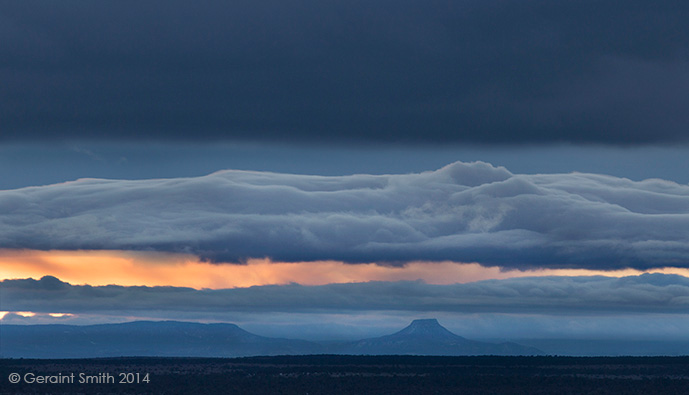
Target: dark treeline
{"type": "Point", "coordinates": [328, 374]}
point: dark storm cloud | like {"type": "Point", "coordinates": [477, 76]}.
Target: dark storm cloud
{"type": "Point", "coordinates": [648, 293]}
{"type": "Point", "coordinates": [611, 71]}
{"type": "Point", "coordinates": [466, 212]}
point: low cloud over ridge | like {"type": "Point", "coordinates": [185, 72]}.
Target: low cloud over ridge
{"type": "Point", "coordinates": [647, 293]}
{"type": "Point", "coordinates": [464, 212]}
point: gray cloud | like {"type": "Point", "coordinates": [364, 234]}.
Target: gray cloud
{"type": "Point", "coordinates": [644, 294]}
{"type": "Point", "coordinates": [463, 212]}
{"type": "Point", "coordinates": [411, 71]}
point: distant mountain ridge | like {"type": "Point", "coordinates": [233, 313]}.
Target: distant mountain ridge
{"type": "Point", "coordinates": [174, 338]}
{"type": "Point", "coordinates": [428, 337]}
{"type": "Point", "coordinates": [143, 338]}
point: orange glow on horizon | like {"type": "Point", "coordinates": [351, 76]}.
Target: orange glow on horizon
{"type": "Point", "coordinates": [130, 268]}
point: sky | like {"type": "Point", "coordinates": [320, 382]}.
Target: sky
{"type": "Point", "coordinates": [338, 168]}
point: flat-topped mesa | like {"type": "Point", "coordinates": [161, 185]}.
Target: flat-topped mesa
{"type": "Point", "coordinates": [428, 337]}
{"type": "Point", "coordinates": [426, 327]}
{"type": "Point", "coordinates": [426, 321]}
{"type": "Point", "coordinates": [190, 339]}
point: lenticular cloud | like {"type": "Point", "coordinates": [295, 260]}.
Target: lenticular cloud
{"type": "Point", "coordinates": [467, 212]}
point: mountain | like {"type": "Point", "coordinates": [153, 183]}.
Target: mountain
{"type": "Point", "coordinates": [428, 337]}
{"type": "Point", "coordinates": [143, 338]}
{"type": "Point", "coordinates": [172, 338]}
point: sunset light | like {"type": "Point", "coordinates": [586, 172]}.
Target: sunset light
{"type": "Point", "coordinates": [335, 180]}
{"type": "Point", "coordinates": [130, 268]}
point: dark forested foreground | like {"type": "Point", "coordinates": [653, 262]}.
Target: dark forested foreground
{"type": "Point", "coordinates": [330, 374]}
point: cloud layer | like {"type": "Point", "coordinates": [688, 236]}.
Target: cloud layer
{"type": "Point", "coordinates": [411, 71]}
{"type": "Point", "coordinates": [463, 212]}
{"type": "Point", "coordinates": [644, 294]}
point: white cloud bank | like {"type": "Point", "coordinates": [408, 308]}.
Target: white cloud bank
{"type": "Point", "coordinates": [465, 212]}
